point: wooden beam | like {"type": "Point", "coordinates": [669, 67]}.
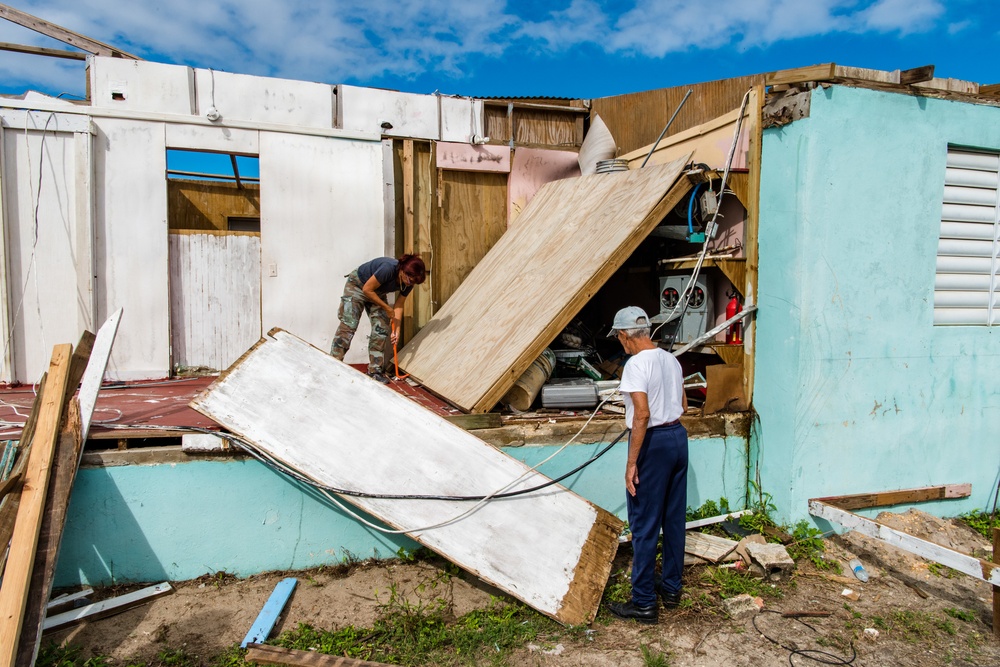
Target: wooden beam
{"type": "Point", "coordinates": [17, 576]}
{"type": "Point", "coordinates": [42, 51]}
{"type": "Point", "coordinates": [90, 383]}
{"type": "Point", "coordinates": [482, 420]}
{"type": "Point", "coordinates": [43, 571]}
{"type": "Point", "coordinates": [275, 655]}
{"type": "Point", "coordinates": [916, 75]}
{"type": "Point", "coordinates": [824, 72]}
{"type": "Point", "coordinates": [106, 608]}
{"type": "Point", "coordinates": [974, 567]}
{"type": "Point", "coordinates": [62, 34]}
{"type": "Point", "coordinates": [900, 497]}
{"type": "Point", "coordinates": [698, 523]}
{"type": "Point", "coordinates": [990, 89]}
{"type": "Point", "coordinates": [751, 229]}
{"type": "Point", "coordinates": [409, 233]}
{"type": "Point", "coordinates": [708, 547]}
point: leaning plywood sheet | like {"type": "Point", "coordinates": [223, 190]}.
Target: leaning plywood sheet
{"type": "Point", "coordinates": [568, 241]}
{"type": "Point", "coordinates": [549, 548]}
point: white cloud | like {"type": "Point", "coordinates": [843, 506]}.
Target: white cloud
{"type": "Point", "coordinates": [348, 40]}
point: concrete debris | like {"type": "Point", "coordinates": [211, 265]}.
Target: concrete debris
{"type": "Point", "coordinates": [741, 548]}
{"type": "Point", "coordinates": [851, 594]}
{"type": "Point", "coordinates": [871, 634]}
{"type": "Point", "coordinates": [742, 605]}
{"type": "Point", "coordinates": [773, 559]}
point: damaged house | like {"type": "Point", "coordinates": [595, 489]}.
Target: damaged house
{"type": "Point", "coordinates": [836, 332]}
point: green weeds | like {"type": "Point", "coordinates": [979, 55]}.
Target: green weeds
{"type": "Point", "coordinates": [654, 658]}
{"type": "Point", "coordinates": [982, 522]}
{"type": "Point", "coordinates": [732, 583]}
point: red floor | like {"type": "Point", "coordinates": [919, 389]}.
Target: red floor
{"type": "Point", "coordinates": [161, 404]}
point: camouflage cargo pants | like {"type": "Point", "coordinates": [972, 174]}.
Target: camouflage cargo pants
{"type": "Point", "coordinates": [349, 313]}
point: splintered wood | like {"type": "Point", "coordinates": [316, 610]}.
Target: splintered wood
{"type": "Point", "coordinates": [549, 548]}
{"type": "Point", "coordinates": [569, 240]}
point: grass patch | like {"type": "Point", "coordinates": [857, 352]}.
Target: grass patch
{"type": "Point", "coordinates": [939, 570]}
{"type": "Point", "coordinates": [981, 522]}
{"type": "Point", "coordinates": [654, 658]}
{"type": "Point", "coordinates": [619, 588]}
{"type": "Point", "coordinates": [54, 655]}
{"type": "Point", "coordinates": [732, 583]}
{"type": "Point", "coordinates": [961, 614]}
{"type": "Point", "coordinates": [417, 634]}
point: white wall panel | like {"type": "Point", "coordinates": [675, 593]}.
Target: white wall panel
{"type": "Point", "coordinates": [46, 302]}
{"type": "Point", "coordinates": [461, 118]}
{"type": "Point", "coordinates": [365, 109]}
{"type": "Point", "coordinates": [131, 247]}
{"type": "Point", "coordinates": [214, 298]}
{"type": "Point", "coordinates": [259, 99]}
{"type": "Point", "coordinates": [143, 85]}
{"type": "Point", "coordinates": [321, 217]}
{"type": "Point", "coordinates": [222, 139]}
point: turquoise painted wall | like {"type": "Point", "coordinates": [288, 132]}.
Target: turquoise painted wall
{"type": "Point", "coordinates": [142, 523]}
{"type": "Point", "coordinates": [856, 389]}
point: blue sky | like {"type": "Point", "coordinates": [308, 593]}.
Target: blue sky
{"type": "Point", "coordinates": [567, 48]}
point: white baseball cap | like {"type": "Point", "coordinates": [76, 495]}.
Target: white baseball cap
{"type": "Point", "coordinates": [631, 317]}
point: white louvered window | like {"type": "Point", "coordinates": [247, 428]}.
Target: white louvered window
{"type": "Point", "coordinates": [966, 288]}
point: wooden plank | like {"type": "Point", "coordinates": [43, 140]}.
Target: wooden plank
{"type": "Point", "coordinates": [689, 138]}
{"type": "Point", "coordinates": [824, 72]}
{"type": "Point", "coordinates": [900, 497]}
{"type": "Point", "coordinates": [62, 34]}
{"type": "Point", "coordinates": [698, 523]}
{"type": "Point", "coordinates": [67, 598]}
{"type": "Point", "coordinates": [470, 422]}
{"type": "Point", "coordinates": [64, 468]}
{"type": "Point", "coordinates": [990, 89]}
{"type": "Point", "coordinates": [750, 231]}
{"type": "Point", "coordinates": [708, 547]}
{"type": "Point", "coordinates": [916, 75]}
{"type": "Point", "coordinates": [105, 608]}
{"type": "Point", "coordinates": [90, 384]}
{"type": "Point", "coordinates": [42, 51]}
{"type": "Point", "coordinates": [549, 548]}
{"type": "Point", "coordinates": [424, 216]}
{"type": "Point", "coordinates": [471, 221]}
{"type": "Point", "coordinates": [275, 655]}
{"type": "Point", "coordinates": [269, 614]}
{"type": "Point", "coordinates": [974, 567]}
{"type": "Point", "coordinates": [409, 233]}
{"type": "Point", "coordinates": [569, 240]}
{"type": "Point", "coordinates": [17, 575]}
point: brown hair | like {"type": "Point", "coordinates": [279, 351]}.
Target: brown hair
{"type": "Point", "coordinates": [414, 268]}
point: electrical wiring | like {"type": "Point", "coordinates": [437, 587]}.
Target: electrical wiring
{"type": "Point", "coordinates": [481, 501]}
{"type": "Point", "coordinates": [816, 655]}
{"type": "Point", "coordinates": [682, 304]}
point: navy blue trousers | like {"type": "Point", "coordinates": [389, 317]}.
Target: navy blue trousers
{"type": "Point", "coordinates": [659, 504]}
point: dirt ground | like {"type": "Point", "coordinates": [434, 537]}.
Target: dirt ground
{"type": "Point", "coordinates": [951, 625]}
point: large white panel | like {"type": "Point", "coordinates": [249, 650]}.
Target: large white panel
{"type": "Point", "coordinates": [366, 109]}
{"type": "Point", "coordinates": [140, 85]}
{"type": "Point", "coordinates": [973, 160]}
{"type": "Point", "coordinates": [971, 179]}
{"type": "Point", "coordinates": [321, 217]}
{"type": "Point", "coordinates": [976, 196]}
{"type": "Point", "coordinates": [131, 204]}
{"type": "Point", "coordinates": [261, 99]}
{"type": "Point", "coordinates": [222, 139]}
{"type": "Point", "coordinates": [214, 298]}
{"type": "Point", "coordinates": [42, 245]}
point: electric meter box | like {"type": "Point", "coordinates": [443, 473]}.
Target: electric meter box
{"type": "Point", "coordinates": [700, 313]}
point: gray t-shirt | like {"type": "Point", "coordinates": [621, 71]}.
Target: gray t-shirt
{"type": "Point", "coordinates": [386, 272]}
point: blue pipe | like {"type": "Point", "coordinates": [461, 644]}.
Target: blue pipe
{"type": "Point", "coordinates": [694, 194]}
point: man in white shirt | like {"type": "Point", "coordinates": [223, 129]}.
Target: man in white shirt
{"type": "Point", "coordinates": [656, 472]}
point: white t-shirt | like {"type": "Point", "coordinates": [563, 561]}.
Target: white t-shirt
{"type": "Point", "coordinates": [657, 373]}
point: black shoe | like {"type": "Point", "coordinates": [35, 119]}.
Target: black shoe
{"type": "Point", "coordinates": [670, 600]}
{"type": "Point", "coordinates": [378, 377]}
{"type": "Point", "coordinates": [629, 610]}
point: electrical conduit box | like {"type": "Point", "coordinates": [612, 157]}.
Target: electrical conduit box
{"type": "Point", "coordinates": [699, 314]}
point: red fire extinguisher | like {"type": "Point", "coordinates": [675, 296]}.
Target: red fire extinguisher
{"type": "Point", "coordinates": [734, 335]}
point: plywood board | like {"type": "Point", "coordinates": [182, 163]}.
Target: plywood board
{"type": "Point", "coordinates": [708, 143]}
{"type": "Point", "coordinates": [468, 157]}
{"type": "Point", "coordinates": [550, 548]}
{"type": "Point", "coordinates": [530, 170]}
{"type": "Point", "coordinates": [568, 241]}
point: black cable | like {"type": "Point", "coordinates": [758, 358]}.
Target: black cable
{"type": "Point", "coordinates": [823, 657]}
{"type": "Point", "coordinates": [250, 449]}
